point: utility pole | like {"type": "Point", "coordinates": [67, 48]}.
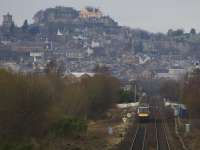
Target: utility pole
{"type": "Point", "coordinates": [135, 92]}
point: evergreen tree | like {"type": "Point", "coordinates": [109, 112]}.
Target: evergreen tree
{"type": "Point", "coordinates": [193, 31]}
{"type": "Point", "coordinates": [25, 26]}
{"type": "Point", "coordinates": [12, 29]}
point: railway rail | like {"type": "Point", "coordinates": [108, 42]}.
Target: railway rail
{"type": "Point", "coordinates": [138, 142]}
{"type": "Point", "coordinates": [161, 136]}
{"type": "Point", "coordinates": [161, 133]}
{"type": "Point", "coordinates": [156, 130]}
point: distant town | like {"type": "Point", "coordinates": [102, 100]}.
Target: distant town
{"type": "Point", "coordinates": [81, 40]}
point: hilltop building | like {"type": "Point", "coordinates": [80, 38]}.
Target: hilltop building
{"type": "Point", "coordinates": [57, 14]}
{"type": "Point", "coordinates": [90, 12]}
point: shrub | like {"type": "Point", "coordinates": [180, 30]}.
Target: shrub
{"type": "Point", "coordinates": [16, 147]}
{"type": "Point", "coordinates": [68, 126]}
{"type": "Point", "coordinates": [126, 96]}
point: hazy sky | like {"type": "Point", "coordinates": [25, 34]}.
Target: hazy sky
{"type": "Point", "coordinates": [152, 15]}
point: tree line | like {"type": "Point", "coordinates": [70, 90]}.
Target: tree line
{"type": "Point", "coordinates": [191, 93]}
{"type": "Point", "coordinates": [36, 106]}
{"type": "Point", "coordinates": [186, 91]}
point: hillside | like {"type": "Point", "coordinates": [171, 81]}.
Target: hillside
{"type": "Point", "coordinates": [85, 38]}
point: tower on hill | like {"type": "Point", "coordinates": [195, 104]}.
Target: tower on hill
{"type": "Point", "coordinates": [7, 20]}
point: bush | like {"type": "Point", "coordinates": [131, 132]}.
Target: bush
{"type": "Point", "coordinates": [16, 147]}
{"type": "Point", "coordinates": [126, 96]}
{"type": "Point", "coordinates": [68, 126]}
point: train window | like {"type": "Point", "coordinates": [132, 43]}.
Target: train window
{"type": "Point", "coordinates": [143, 109]}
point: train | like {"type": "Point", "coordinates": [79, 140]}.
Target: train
{"type": "Point", "coordinates": [143, 112]}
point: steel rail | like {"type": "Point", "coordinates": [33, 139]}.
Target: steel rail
{"type": "Point", "coordinates": [166, 137]}
{"type": "Point", "coordinates": [157, 141]}
{"type": "Point", "coordinates": [164, 134]}
{"type": "Point", "coordinates": [136, 135]}
{"type": "Point", "coordinates": [143, 144]}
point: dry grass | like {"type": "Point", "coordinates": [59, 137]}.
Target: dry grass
{"type": "Point", "coordinates": [192, 139]}
{"type": "Point", "coordinates": [97, 137]}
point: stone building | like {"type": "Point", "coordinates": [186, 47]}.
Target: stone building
{"type": "Point", "coordinates": [90, 12]}
{"type": "Point", "coordinates": [7, 20]}
{"type": "Point", "coordinates": [57, 14]}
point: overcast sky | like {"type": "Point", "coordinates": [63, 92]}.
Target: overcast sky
{"type": "Point", "coordinates": [152, 15]}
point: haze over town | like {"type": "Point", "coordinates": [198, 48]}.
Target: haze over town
{"type": "Point", "coordinates": [99, 74]}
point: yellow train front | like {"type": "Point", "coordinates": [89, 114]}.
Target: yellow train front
{"type": "Point", "coordinates": [143, 113]}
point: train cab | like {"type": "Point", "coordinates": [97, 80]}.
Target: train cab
{"type": "Point", "coordinates": [143, 112]}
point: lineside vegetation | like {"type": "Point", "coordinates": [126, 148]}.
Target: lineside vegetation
{"type": "Point", "coordinates": [33, 106]}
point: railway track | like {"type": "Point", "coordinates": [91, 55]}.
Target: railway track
{"type": "Point", "coordinates": [161, 136]}
{"type": "Point", "coordinates": [161, 132]}
{"type": "Point", "coordinates": [152, 135]}
{"type": "Point", "coordinates": [139, 139]}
